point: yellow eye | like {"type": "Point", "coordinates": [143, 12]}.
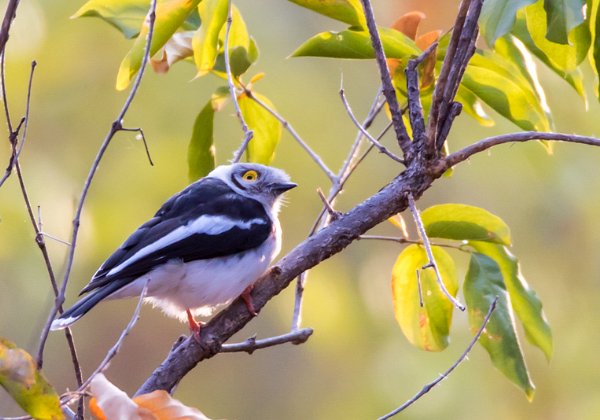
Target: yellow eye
{"type": "Point", "coordinates": [250, 176]}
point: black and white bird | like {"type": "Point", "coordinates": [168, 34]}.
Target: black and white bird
{"type": "Point", "coordinates": [204, 247]}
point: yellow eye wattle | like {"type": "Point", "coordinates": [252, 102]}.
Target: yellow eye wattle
{"type": "Point", "coordinates": [250, 176]}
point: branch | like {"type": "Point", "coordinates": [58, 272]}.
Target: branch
{"type": "Point", "coordinates": [9, 16]}
{"type": "Point", "coordinates": [248, 134]}
{"type": "Point", "coordinates": [375, 142]}
{"type": "Point", "coordinates": [116, 126]}
{"type": "Point", "coordinates": [328, 241]}
{"type": "Point", "coordinates": [295, 135]}
{"type": "Point", "coordinates": [386, 82]}
{"type": "Point", "coordinates": [427, 245]}
{"type": "Point", "coordinates": [458, 54]}
{"type": "Point", "coordinates": [480, 146]}
{"type": "Point", "coordinates": [444, 375]}
{"type": "Point", "coordinates": [252, 344]}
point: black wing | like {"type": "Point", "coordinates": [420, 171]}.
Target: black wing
{"type": "Point", "coordinates": [208, 196]}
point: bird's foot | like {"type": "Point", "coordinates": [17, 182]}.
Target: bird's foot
{"type": "Point", "coordinates": [248, 300]}
{"type": "Point", "coordinates": [195, 326]}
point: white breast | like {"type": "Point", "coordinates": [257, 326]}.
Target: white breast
{"type": "Point", "coordinates": [202, 285]}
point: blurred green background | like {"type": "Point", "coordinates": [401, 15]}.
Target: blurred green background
{"type": "Point", "coordinates": [357, 364]}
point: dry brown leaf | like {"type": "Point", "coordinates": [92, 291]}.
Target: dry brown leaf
{"type": "Point", "coordinates": [109, 402]}
{"type": "Point", "coordinates": [423, 42]}
{"type": "Point", "coordinates": [408, 23]}
{"type": "Point", "coordinates": [165, 407]}
{"type": "Point", "coordinates": [178, 47]}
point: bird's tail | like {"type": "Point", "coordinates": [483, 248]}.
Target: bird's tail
{"type": "Point", "coordinates": [82, 306]}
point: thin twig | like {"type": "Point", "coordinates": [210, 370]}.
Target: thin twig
{"type": "Point", "coordinates": [427, 245]}
{"type": "Point", "coordinates": [333, 213]}
{"type": "Point", "coordinates": [143, 137]}
{"type": "Point", "coordinates": [115, 127]}
{"type": "Point", "coordinates": [480, 146]}
{"type": "Point", "coordinates": [314, 156]}
{"type": "Point", "coordinates": [115, 348]}
{"type": "Point", "coordinates": [444, 375]}
{"type": "Point", "coordinates": [421, 303]}
{"type": "Point", "coordinates": [248, 134]}
{"type": "Point", "coordinates": [348, 167]}
{"type": "Point", "coordinates": [250, 345]}
{"type": "Point", "coordinates": [9, 16]}
{"type": "Point", "coordinates": [375, 142]}
{"type": "Point", "coordinates": [386, 82]}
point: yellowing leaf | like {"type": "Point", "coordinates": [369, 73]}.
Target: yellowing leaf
{"type": "Point", "coordinates": [205, 43]}
{"type": "Point", "coordinates": [426, 327]}
{"type": "Point", "coordinates": [109, 402]}
{"type": "Point", "coordinates": [267, 129]}
{"type": "Point", "coordinates": [26, 385]}
{"type": "Point", "coordinates": [398, 221]}
{"type": "Point", "coordinates": [170, 15]}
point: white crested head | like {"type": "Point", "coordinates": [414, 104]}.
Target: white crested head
{"type": "Point", "coordinates": [262, 183]}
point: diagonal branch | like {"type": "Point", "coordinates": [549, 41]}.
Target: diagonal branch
{"type": "Point", "coordinates": [444, 375]}
{"type": "Point", "coordinates": [386, 82]}
{"type": "Point", "coordinates": [328, 241]}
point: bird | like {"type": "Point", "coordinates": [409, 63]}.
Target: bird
{"type": "Point", "coordinates": [204, 247]}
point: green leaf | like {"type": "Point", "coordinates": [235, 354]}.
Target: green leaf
{"type": "Point", "coordinates": [25, 384]}
{"type": "Point", "coordinates": [426, 327]}
{"type": "Point", "coordinates": [348, 11]}
{"type": "Point", "coordinates": [562, 59]}
{"type": "Point", "coordinates": [501, 86]}
{"type": "Point", "coordinates": [170, 15]}
{"type": "Point", "coordinates": [205, 43]}
{"type": "Point", "coordinates": [483, 283]}
{"type": "Point", "coordinates": [201, 151]}
{"type": "Point", "coordinates": [125, 15]}
{"type": "Point", "coordinates": [498, 16]}
{"type": "Point", "coordinates": [472, 106]}
{"type": "Point", "coordinates": [463, 222]}
{"type": "Point", "coordinates": [357, 44]}
{"type": "Point", "coordinates": [267, 129]}
{"type": "Point", "coordinates": [524, 301]}
{"type": "Point", "coordinates": [561, 17]}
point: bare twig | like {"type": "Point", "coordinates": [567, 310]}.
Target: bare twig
{"type": "Point", "coordinates": [480, 146]}
{"type": "Point", "coordinates": [116, 126]}
{"type": "Point", "coordinates": [333, 213]}
{"type": "Point", "coordinates": [375, 142]}
{"type": "Point", "coordinates": [248, 134]}
{"type": "Point", "coordinates": [314, 156]}
{"type": "Point", "coordinates": [143, 137]}
{"type": "Point", "coordinates": [444, 375]}
{"type": "Point", "coordinates": [9, 16]}
{"type": "Point", "coordinates": [112, 352]}
{"type": "Point", "coordinates": [427, 245]}
{"type": "Point", "coordinates": [386, 82]}
{"type": "Point", "coordinates": [418, 272]}
{"type": "Point", "coordinates": [250, 345]}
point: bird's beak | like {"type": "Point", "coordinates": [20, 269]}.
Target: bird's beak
{"type": "Point", "coordinates": [281, 187]}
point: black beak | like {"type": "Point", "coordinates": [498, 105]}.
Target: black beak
{"type": "Point", "coordinates": [281, 187]}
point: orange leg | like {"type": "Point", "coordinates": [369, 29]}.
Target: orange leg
{"type": "Point", "coordinates": [248, 300]}
{"type": "Point", "coordinates": [195, 326]}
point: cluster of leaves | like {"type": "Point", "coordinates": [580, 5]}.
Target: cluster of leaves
{"type": "Point", "coordinates": [194, 31]}
{"type": "Point", "coordinates": [425, 313]}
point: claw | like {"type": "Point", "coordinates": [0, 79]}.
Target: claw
{"type": "Point", "coordinates": [248, 300]}
{"type": "Point", "coordinates": [195, 326]}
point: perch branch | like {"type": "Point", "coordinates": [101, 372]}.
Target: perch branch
{"type": "Point", "coordinates": [444, 375]}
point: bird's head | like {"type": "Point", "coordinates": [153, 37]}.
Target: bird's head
{"type": "Point", "coordinates": [263, 183]}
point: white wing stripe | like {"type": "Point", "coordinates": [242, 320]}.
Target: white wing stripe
{"type": "Point", "coordinates": [205, 224]}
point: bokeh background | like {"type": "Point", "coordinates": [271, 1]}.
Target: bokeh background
{"type": "Point", "coordinates": [357, 364]}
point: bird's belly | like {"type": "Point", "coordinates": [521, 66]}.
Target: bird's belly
{"type": "Point", "coordinates": [202, 285]}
